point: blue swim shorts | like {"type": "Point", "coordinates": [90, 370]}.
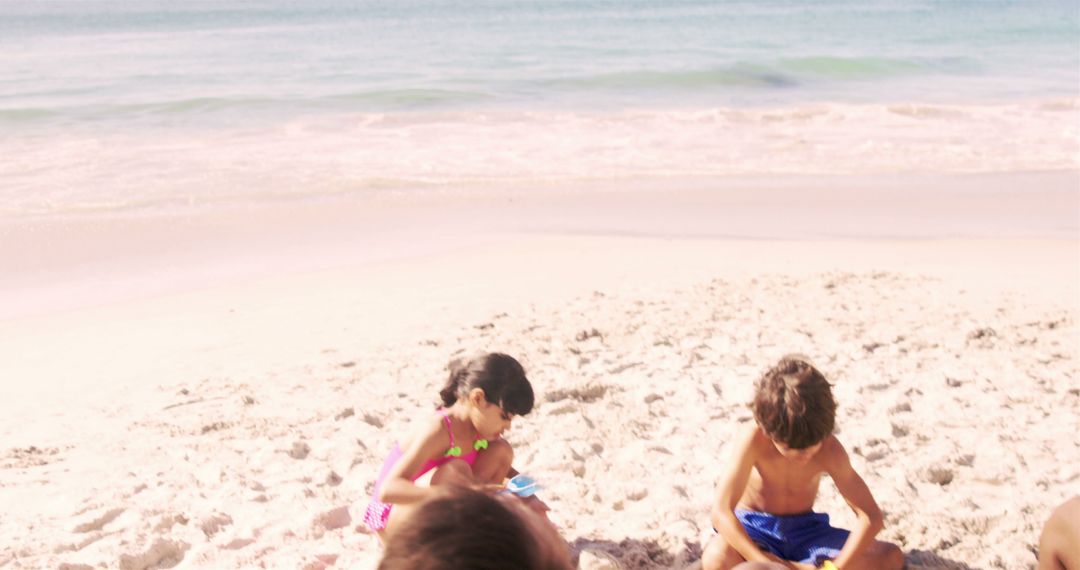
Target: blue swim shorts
{"type": "Point", "coordinates": [805, 538]}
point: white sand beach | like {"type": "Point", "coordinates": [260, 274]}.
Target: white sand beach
{"type": "Point", "coordinates": [215, 419]}
{"type": "Point", "coordinates": [240, 243]}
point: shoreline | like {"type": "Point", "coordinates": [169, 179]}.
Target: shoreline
{"type": "Point", "coordinates": [56, 265]}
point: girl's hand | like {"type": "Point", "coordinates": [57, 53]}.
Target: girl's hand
{"type": "Point", "coordinates": [488, 488]}
{"type": "Point", "coordinates": [534, 503]}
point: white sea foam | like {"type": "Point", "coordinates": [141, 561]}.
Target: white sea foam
{"type": "Point", "coordinates": [68, 170]}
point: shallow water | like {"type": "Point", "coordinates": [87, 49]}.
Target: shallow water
{"type": "Point", "coordinates": [110, 106]}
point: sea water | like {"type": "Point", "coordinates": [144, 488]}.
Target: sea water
{"type": "Point", "coordinates": [144, 105]}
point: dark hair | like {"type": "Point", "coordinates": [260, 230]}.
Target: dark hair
{"type": "Point", "coordinates": [500, 377]}
{"type": "Point", "coordinates": [794, 404]}
{"type": "Point", "coordinates": [461, 529]}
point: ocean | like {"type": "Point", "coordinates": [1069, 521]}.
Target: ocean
{"type": "Point", "coordinates": [152, 105]}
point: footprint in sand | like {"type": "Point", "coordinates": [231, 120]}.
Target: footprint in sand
{"type": "Point", "coordinates": [168, 521]}
{"type": "Point", "coordinates": [587, 393]}
{"type": "Point", "coordinates": [238, 543]}
{"type": "Point", "coordinates": [213, 524]}
{"type": "Point", "coordinates": [32, 456]}
{"type": "Point", "coordinates": [900, 408]}
{"type": "Point", "coordinates": [100, 522]}
{"type": "Point", "coordinates": [321, 562]}
{"type": "Point", "coordinates": [300, 450]}
{"type": "Point", "coordinates": [939, 475]}
{"type": "Point", "coordinates": [162, 554]}
{"type": "Point", "coordinates": [77, 546]}
{"type": "Point", "coordinates": [333, 519]}
{"type": "Point", "coordinates": [965, 460]}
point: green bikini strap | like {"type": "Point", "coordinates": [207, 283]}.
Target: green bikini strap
{"type": "Point", "coordinates": [455, 451]}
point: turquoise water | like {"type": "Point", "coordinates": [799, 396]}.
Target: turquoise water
{"type": "Point", "coordinates": [91, 60]}
{"type": "Point", "coordinates": [107, 103]}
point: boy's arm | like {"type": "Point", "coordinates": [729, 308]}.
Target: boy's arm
{"type": "Point", "coordinates": [858, 497]}
{"type": "Point", "coordinates": [728, 492]}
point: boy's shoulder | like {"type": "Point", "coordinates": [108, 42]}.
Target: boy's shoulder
{"type": "Point", "coordinates": [754, 436]}
{"type": "Point", "coordinates": [832, 447]}
{"type": "Point", "coordinates": [755, 442]}
{"type": "Point", "coordinates": [833, 454]}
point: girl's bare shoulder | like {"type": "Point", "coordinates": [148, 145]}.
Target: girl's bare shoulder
{"type": "Point", "coordinates": [426, 429]}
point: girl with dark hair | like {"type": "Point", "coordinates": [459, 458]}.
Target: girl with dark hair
{"type": "Point", "coordinates": [479, 402]}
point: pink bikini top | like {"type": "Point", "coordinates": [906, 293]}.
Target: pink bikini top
{"type": "Point", "coordinates": [454, 452]}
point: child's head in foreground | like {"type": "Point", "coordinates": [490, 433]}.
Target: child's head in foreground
{"type": "Point", "coordinates": [794, 406]}
{"type": "Point", "coordinates": [493, 388]}
{"type": "Point", "coordinates": [462, 528]}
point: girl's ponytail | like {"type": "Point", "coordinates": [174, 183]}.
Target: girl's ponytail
{"type": "Point", "coordinates": [449, 393]}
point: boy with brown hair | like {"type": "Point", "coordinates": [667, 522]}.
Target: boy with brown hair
{"type": "Point", "coordinates": [765, 498]}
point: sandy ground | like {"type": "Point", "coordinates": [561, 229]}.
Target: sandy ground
{"type": "Point", "coordinates": [242, 425]}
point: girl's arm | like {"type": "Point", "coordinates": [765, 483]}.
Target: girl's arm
{"type": "Point", "coordinates": [858, 497]}
{"type": "Point", "coordinates": [430, 443]}
{"type": "Point", "coordinates": [728, 492]}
